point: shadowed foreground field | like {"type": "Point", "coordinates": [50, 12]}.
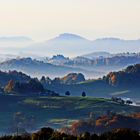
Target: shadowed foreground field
{"type": "Point", "coordinates": [55, 112]}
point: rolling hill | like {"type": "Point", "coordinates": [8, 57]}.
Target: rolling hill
{"type": "Point", "coordinates": [122, 83]}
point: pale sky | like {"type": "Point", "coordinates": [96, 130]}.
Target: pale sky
{"type": "Point", "coordinates": [44, 19]}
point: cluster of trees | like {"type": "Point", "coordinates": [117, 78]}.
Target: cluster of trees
{"type": "Point", "coordinates": [103, 123]}
{"type": "Point", "coordinates": [121, 101]}
{"type": "Point", "coordinates": [67, 93]}
{"type": "Point", "coordinates": [5, 77]}
{"type": "Point", "coordinates": [50, 134]}
{"type": "Point", "coordinates": [32, 86]}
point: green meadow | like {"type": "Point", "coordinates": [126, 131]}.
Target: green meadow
{"type": "Point", "coordinates": [56, 111]}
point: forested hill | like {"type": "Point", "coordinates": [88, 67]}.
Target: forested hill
{"type": "Point", "coordinates": [124, 81]}
{"type": "Point", "coordinates": [5, 77]}
{"type": "Point", "coordinates": [14, 82]}
{"type": "Point", "coordinates": [125, 78]}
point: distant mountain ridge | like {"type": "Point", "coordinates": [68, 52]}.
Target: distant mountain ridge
{"type": "Point", "coordinates": [38, 68]}
{"type": "Point", "coordinates": [15, 38]}
{"type": "Point", "coordinates": [73, 45]}
{"type": "Point", "coordinates": [68, 44]}
{"type": "Point", "coordinates": [96, 66]}
{"type": "Point", "coordinates": [104, 59]}
{"type": "Point", "coordinates": [14, 44]}
{"type": "Point", "coordinates": [95, 55]}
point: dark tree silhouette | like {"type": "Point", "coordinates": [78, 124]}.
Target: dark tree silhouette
{"type": "Point", "coordinates": [67, 93]}
{"type": "Point", "coordinates": [83, 94]}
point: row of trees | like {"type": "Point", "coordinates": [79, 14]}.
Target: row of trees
{"type": "Point", "coordinates": [50, 134]}
{"type": "Point", "coordinates": [67, 93]}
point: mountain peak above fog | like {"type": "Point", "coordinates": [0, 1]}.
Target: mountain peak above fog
{"type": "Point", "coordinates": [73, 45]}
{"type": "Point", "coordinates": [67, 36]}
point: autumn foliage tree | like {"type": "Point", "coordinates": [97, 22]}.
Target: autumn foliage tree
{"type": "Point", "coordinates": [9, 87]}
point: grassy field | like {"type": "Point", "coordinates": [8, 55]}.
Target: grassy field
{"type": "Point", "coordinates": [56, 111]}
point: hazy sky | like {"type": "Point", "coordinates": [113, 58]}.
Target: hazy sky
{"type": "Point", "coordinates": [44, 19]}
